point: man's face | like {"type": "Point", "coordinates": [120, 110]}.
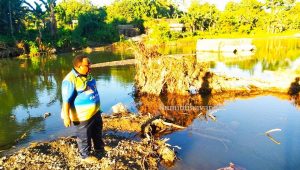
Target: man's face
{"type": "Point", "coordinates": [85, 66]}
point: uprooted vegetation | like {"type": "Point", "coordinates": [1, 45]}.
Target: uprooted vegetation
{"type": "Point", "coordinates": [178, 74]}
{"type": "Point", "coordinates": [172, 74]}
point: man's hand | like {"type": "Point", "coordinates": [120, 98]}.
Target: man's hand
{"type": "Point", "coordinates": [65, 113]}
{"type": "Point", "coordinates": [67, 121]}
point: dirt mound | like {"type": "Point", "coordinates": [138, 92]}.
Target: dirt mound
{"type": "Point", "coordinates": [120, 152]}
{"type": "Point", "coordinates": [63, 154]}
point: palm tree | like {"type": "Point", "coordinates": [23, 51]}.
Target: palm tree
{"type": "Point", "coordinates": [50, 6]}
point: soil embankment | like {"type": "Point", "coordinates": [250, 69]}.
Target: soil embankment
{"type": "Point", "coordinates": [121, 152]}
{"type": "Point", "coordinates": [184, 75]}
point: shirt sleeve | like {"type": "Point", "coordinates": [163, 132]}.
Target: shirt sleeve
{"type": "Point", "coordinates": [67, 91]}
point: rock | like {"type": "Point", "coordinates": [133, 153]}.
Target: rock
{"type": "Point", "coordinates": [47, 114]}
{"type": "Point", "coordinates": [107, 148]}
{"type": "Point", "coordinates": [232, 166]}
{"type": "Point", "coordinates": [119, 108]}
{"type": "Point", "coordinates": [193, 90]}
{"type": "Point", "coordinates": [53, 50]}
{"type": "Point", "coordinates": [13, 117]}
{"type": "Point", "coordinates": [168, 155]}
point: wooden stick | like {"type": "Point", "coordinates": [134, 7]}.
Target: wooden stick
{"type": "Point", "coordinates": [114, 63]}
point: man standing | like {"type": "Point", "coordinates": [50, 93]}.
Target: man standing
{"type": "Point", "coordinates": [81, 105]}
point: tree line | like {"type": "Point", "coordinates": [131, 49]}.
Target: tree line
{"type": "Point", "coordinates": [78, 23]}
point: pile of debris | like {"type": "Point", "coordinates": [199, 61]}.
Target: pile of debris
{"type": "Point", "coordinates": [63, 154]}
{"type": "Point", "coordinates": [120, 152]}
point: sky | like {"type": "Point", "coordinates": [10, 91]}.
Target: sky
{"type": "Point", "coordinates": [219, 3]}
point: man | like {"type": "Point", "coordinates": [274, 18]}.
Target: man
{"type": "Point", "coordinates": [81, 105]}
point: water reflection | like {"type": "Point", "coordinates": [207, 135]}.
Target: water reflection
{"type": "Point", "coordinates": [22, 83]}
{"type": "Point", "coordinates": [238, 136]}
{"type": "Point", "coordinates": [18, 131]}
{"type": "Point", "coordinates": [274, 54]}
{"type": "Point", "coordinates": [233, 131]}
{"type": "Point", "coordinates": [31, 87]}
{"type": "Point", "coordinates": [115, 84]}
{"type": "Point", "coordinates": [183, 110]}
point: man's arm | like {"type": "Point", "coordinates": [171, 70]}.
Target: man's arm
{"type": "Point", "coordinates": [66, 109]}
{"type": "Point", "coordinates": [67, 91]}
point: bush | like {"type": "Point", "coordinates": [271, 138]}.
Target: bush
{"type": "Point", "coordinates": [8, 40]}
{"type": "Point", "coordinates": [107, 34]}
{"type": "Point", "coordinates": [175, 35]}
{"type": "Point", "coordinates": [33, 48]}
{"type": "Point", "coordinates": [64, 39]}
{"type": "Point", "coordinates": [158, 31]}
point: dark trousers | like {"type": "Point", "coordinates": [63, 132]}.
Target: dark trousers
{"type": "Point", "coordinates": [88, 131]}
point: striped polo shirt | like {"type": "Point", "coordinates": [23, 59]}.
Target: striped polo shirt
{"type": "Point", "coordinates": [82, 95]}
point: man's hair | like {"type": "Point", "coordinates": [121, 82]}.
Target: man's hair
{"type": "Point", "coordinates": [78, 60]}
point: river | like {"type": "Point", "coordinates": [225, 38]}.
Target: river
{"type": "Point", "coordinates": [31, 87]}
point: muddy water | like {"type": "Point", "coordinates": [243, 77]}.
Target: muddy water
{"type": "Point", "coordinates": [29, 88]}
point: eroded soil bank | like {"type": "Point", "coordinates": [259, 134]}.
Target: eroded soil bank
{"type": "Point", "coordinates": [158, 74]}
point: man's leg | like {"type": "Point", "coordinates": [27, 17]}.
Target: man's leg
{"type": "Point", "coordinates": [97, 133]}
{"type": "Point", "coordinates": [83, 138]}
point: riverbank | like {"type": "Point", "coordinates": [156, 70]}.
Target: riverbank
{"type": "Point", "coordinates": [15, 51]}
{"type": "Point", "coordinates": [158, 74]}
{"type": "Point", "coordinates": [123, 149]}
{"type": "Point", "coordinates": [289, 34]}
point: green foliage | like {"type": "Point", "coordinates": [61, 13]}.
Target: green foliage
{"type": "Point", "coordinates": [158, 31]}
{"type": "Point", "coordinates": [8, 40]}
{"type": "Point", "coordinates": [107, 34]}
{"type": "Point", "coordinates": [200, 16]}
{"type": "Point", "coordinates": [292, 19]}
{"type": "Point", "coordinates": [88, 24]}
{"type": "Point", "coordinates": [174, 35]}
{"type": "Point", "coordinates": [69, 10]}
{"type": "Point", "coordinates": [17, 11]}
{"type": "Point", "coordinates": [91, 25]}
{"type": "Point", "coordinates": [33, 48]}
{"type": "Point", "coordinates": [137, 11]}
{"type": "Point", "coordinates": [79, 23]}
{"type": "Point", "coordinates": [64, 39]}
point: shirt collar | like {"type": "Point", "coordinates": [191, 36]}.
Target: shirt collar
{"type": "Point", "coordinates": [77, 74]}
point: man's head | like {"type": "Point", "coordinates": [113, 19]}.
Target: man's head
{"type": "Point", "coordinates": [82, 64]}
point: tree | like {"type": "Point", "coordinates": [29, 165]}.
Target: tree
{"type": "Point", "coordinates": [50, 6]}
{"type": "Point", "coordinates": [276, 17]}
{"type": "Point", "coordinates": [200, 16]}
{"type": "Point", "coordinates": [292, 20]}
{"type": "Point", "coordinates": [229, 18]}
{"type": "Point", "coordinates": [243, 17]}
{"type": "Point", "coordinates": [69, 10]}
{"type": "Point", "coordinates": [38, 13]}
{"type": "Point", "coordinates": [12, 14]}
{"type": "Point", "coordinates": [250, 12]}
{"type": "Point", "coordinates": [131, 10]}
